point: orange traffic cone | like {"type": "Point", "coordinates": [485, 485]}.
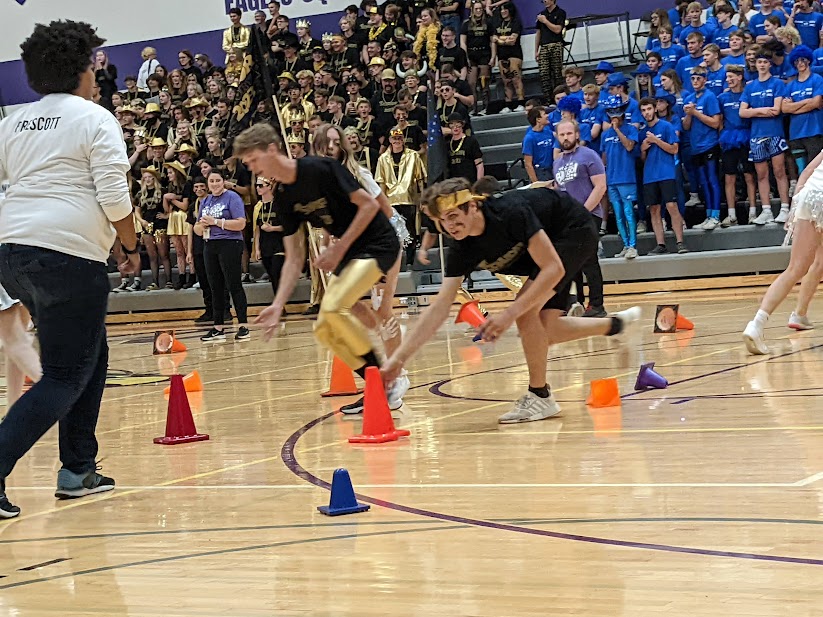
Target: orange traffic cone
{"type": "Point", "coordinates": [604, 393]}
{"type": "Point", "coordinates": [191, 383]}
{"type": "Point", "coordinates": [378, 426]}
{"type": "Point", "coordinates": [177, 346]}
{"type": "Point", "coordinates": [342, 380]}
{"type": "Point", "coordinates": [683, 323]}
{"type": "Point", "coordinates": [179, 421]}
{"type": "Point", "coordinates": [471, 314]}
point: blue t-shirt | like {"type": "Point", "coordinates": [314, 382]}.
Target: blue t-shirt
{"type": "Point", "coordinates": [538, 145]}
{"type": "Point", "coordinates": [660, 165]}
{"type": "Point", "coordinates": [706, 30]}
{"type": "Point", "coordinates": [633, 114]}
{"type": "Point", "coordinates": [757, 24]}
{"type": "Point", "coordinates": [577, 95]}
{"type": "Point", "coordinates": [762, 94]}
{"type": "Point", "coordinates": [227, 206]}
{"type": "Point", "coordinates": [702, 137]}
{"type": "Point", "coordinates": [573, 172]}
{"type": "Point", "coordinates": [784, 70]}
{"type": "Point", "coordinates": [809, 26]}
{"type": "Point", "coordinates": [619, 161]}
{"type": "Point", "coordinates": [684, 70]}
{"type": "Point", "coordinates": [716, 80]}
{"type": "Point", "coordinates": [591, 117]}
{"type": "Point", "coordinates": [730, 106]}
{"type": "Point", "coordinates": [670, 56]}
{"type": "Point", "coordinates": [674, 17]}
{"type": "Point", "coordinates": [739, 60]}
{"type": "Point", "coordinates": [585, 135]}
{"type": "Point", "coordinates": [721, 36]}
{"type": "Point", "coordinates": [808, 124]}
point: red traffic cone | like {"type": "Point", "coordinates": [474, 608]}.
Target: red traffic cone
{"type": "Point", "coordinates": [179, 421]}
{"type": "Point", "coordinates": [471, 314]}
{"type": "Point", "coordinates": [342, 380]}
{"type": "Point", "coordinates": [378, 426]}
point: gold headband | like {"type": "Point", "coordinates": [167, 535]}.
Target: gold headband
{"type": "Point", "coordinates": [447, 203]}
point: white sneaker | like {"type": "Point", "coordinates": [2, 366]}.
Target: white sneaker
{"type": "Point", "coordinates": [576, 310]}
{"type": "Point", "coordinates": [766, 216]}
{"type": "Point", "coordinates": [800, 322]}
{"type": "Point", "coordinates": [506, 110]}
{"type": "Point", "coordinates": [623, 252]}
{"type": "Point", "coordinates": [631, 253]}
{"type": "Point", "coordinates": [755, 343]}
{"type": "Point", "coordinates": [519, 108]}
{"type": "Point", "coordinates": [530, 408]}
{"type": "Point", "coordinates": [641, 227]}
{"type": "Point", "coordinates": [782, 217]}
{"type": "Point", "coordinates": [710, 223]}
{"type": "Point", "coordinates": [728, 222]}
{"type": "Point", "coordinates": [694, 199]}
{"type": "Point", "coordinates": [628, 316]}
{"type": "Point", "coordinates": [397, 390]}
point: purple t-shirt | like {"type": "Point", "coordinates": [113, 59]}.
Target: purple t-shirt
{"type": "Point", "coordinates": [227, 206]}
{"type": "Point", "coordinates": [573, 172]}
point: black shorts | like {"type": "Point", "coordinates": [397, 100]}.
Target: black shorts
{"type": "Point", "coordinates": [736, 160]}
{"type": "Point", "coordinates": [574, 250]}
{"type": "Point", "coordinates": [480, 57]}
{"type": "Point", "coordinates": [660, 193]}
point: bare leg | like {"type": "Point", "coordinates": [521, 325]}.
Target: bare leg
{"type": "Point", "coordinates": [809, 283]}
{"type": "Point", "coordinates": [779, 168]}
{"type": "Point", "coordinates": [657, 224]}
{"type": "Point", "coordinates": [751, 190]}
{"type": "Point", "coordinates": [677, 221]}
{"type": "Point", "coordinates": [805, 245]}
{"type": "Point", "coordinates": [762, 170]}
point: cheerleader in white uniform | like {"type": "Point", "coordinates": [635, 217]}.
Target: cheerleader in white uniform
{"type": "Point", "coordinates": [805, 230]}
{"type": "Point", "coordinates": [22, 358]}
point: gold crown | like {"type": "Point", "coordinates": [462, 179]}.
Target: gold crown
{"type": "Point", "coordinates": [303, 23]}
{"type": "Point", "coordinates": [295, 139]}
{"type": "Point", "coordinates": [327, 37]}
{"type": "Point", "coordinates": [396, 132]}
{"type": "Point", "coordinates": [447, 203]}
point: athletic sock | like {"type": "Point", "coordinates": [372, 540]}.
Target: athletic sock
{"type": "Point", "coordinates": [616, 327]}
{"type": "Point", "coordinates": [371, 360]}
{"type": "Point", "coordinates": [542, 392]}
{"type": "Point", "coordinates": [761, 318]}
{"type": "Point", "coordinates": [784, 207]}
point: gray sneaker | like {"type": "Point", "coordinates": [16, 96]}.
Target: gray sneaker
{"type": "Point", "coordinates": [71, 485]}
{"type": "Point", "coordinates": [530, 408]}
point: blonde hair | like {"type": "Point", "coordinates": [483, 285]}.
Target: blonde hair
{"type": "Point", "coordinates": [322, 142]}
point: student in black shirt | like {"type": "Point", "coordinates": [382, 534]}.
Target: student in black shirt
{"type": "Point", "coordinates": [323, 193]}
{"type": "Point", "coordinates": [451, 53]}
{"type": "Point", "coordinates": [537, 233]}
{"type": "Point", "coordinates": [506, 48]}
{"type": "Point", "coordinates": [465, 156]}
{"type": "Point", "coordinates": [476, 39]}
{"type": "Point", "coordinates": [548, 44]}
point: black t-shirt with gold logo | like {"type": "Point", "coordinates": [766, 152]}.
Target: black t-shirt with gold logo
{"type": "Point", "coordinates": [478, 35]}
{"type": "Point", "coordinates": [462, 154]}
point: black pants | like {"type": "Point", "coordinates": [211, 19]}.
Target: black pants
{"type": "Point", "coordinates": [273, 265]}
{"type": "Point", "coordinates": [205, 286]}
{"type": "Point", "coordinates": [594, 277]}
{"type": "Point", "coordinates": [409, 212]}
{"type": "Point", "coordinates": [67, 297]}
{"type": "Point", "coordinates": [223, 261]}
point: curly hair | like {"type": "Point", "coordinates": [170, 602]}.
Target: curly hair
{"type": "Point", "coordinates": [56, 55]}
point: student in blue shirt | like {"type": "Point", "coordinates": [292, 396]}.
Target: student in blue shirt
{"type": "Point", "coordinates": [734, 141]}
{"type": "Point", "coordinates": [537, 146]}
{"type": "Point", "coordinates": [658, 147]}
{"type": "Point", "coordinates": [702, 119]}
{"type": "Point", "coordinates": [802, 101]}
{"type": "Point", "coordinates": [781, 68]}
{"type": "Point", "coordinates": [757, 23]}
{"type": "Point", "coordinates": [654, 62]}
{"type": "Point", "coordinates": [694, 23]}
{"type": "Point", "coordinates": [619, 86]}
{"type": "Point", "coordinates": [715, 71]}
{"type": "Point", "coordinates": [725, 27]}
{"type": "Point", "coordinates": [736, 52]}
{"type": "Point", "coordinates": [761, 102]}
{"type": "Point", "coordinates": [601, 76]}
{"type": "Point", "coordinates": [665, 111]}
{"type": "Point", "coordinates": [669, 52]}
{"type": "Point", "coordinates": [694, 45]}
{"type": "Point", "coordinates": [593, 115]}
{"type": "Point", "coordinates": [643, 82]}
{"type": "Point", "coordinates": [569, 108]}
{"type": "Point", "coordinates": [573, 75]}
{"type": "Point", "coordinates": [807, 22]}
{"type": "Point", "coordinates": [619, 156]}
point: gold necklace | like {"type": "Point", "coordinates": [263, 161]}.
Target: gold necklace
{"type": "Point", "coordinates": [374, 34]}
{"type": "Point", "coordinates": [459, 146]}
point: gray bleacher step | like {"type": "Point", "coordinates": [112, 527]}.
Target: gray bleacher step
{"type": "Point", "coordinates": [507, 135]}
{"type": "Point", "coordinates": [502, 153]}
{"type": "Point", "coordinates": [515, 119]}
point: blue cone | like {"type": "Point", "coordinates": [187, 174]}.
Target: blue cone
{"type": "Point", "coordinates": [648, 378]}
{"type": "Point", "coordinates": [342, 500]}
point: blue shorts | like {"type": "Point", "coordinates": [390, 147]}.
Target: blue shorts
{"type": "Point", "coordinates": [764, 149]}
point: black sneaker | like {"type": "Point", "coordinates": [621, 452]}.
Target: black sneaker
{"type": "Point", "coordinates": [71, 485]}
{"type": "Point", "coordinates": [353, 408]}
{"type": "Point", "coordinates": [658, 250]}
{"type": "Point", "coordinates": [595, 311]}
{"type": "Point", "coordinates": [243, 334]}
{"type": "Point", "coordinates": [206, 317]}
{"type": "Point", "coordinates": [214, 336]}
{"type": "Point", "coordinates": [681, 248]}
{"type": "Point", "coordinates": [7, 510]}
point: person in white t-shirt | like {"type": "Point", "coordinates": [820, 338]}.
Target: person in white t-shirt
{"type": "Point", "coordinates": [65, 162]}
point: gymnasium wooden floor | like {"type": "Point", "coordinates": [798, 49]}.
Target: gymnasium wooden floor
{"type": "Point", "coordinates": [702, 499]}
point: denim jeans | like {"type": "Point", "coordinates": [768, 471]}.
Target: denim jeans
{"type": "Point", "coordinates": [68, 298]}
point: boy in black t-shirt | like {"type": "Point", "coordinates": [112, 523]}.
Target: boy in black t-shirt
{"type": "Point", "coordinates": [320, 191]}
{"type": "Point", "coordinates": [539, 233]}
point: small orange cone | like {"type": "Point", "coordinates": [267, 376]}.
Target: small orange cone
{"type": "Point", "coordinates": [342, 380]}
{"type": "Point", "coordinates": [604, 393]}
{"type": "Point", "coordinates": [177, 346]}
{"type": "Point", "coordinates": [683, 323]}
{"type": "Point", "coordinates": [378, 426]}
{"type": "Point", "coordinates": [179, 421]}
{"type": "Point", "coordinates": [191, 383]}
{"type": "Point", "coordinates": [471, 314]}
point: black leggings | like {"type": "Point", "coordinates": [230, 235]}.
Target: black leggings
{"type": "Point", "coordinates": [594, 277]}
{"type": "Point", "coordinates": [273, 265]}
{"type": "Point", "coordinates": [223, 259]}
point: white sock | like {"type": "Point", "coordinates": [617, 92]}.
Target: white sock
{"type": "Point", "coordinates": [784, 207]}
{"type": "Point", "coordinates": [761, 318]}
